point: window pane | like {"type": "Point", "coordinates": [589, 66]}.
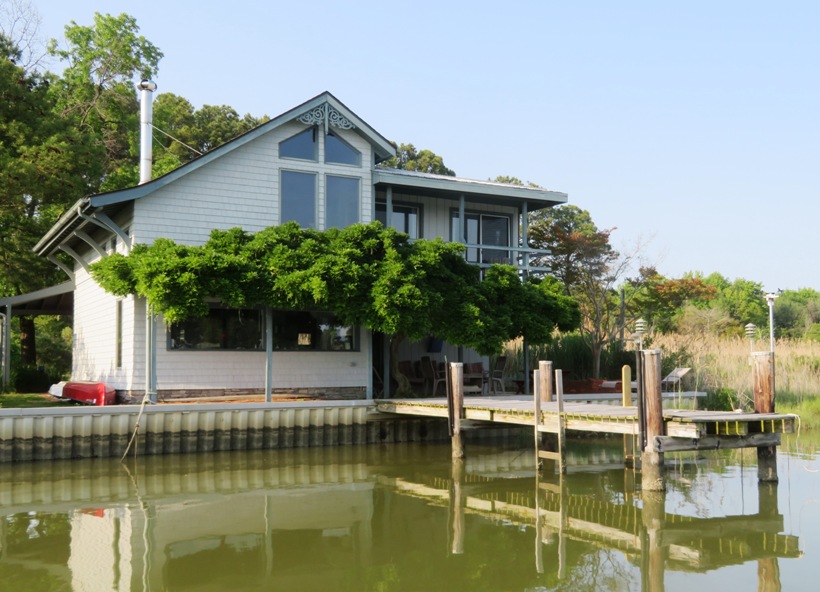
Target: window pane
{"type": "Point", "coordinates": [302, 145]}
{"type": "Point", "coordinates": [495, 231]}
{"type": "Point", "coordinates": [404, 219]}
{"type": "Point", "coordinates": [222, 328]}
{"type": "Point", "coordinates": [338, 151]}
{"type": "Point", "coordinates": [298, 198]}
{"type": "Point", "coordinates": [312, 331]}
{"type": "Point", "coordinates": [342, 201]}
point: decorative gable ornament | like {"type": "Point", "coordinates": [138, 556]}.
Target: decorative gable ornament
{"type": "Point", "coordinates": [327, 115]}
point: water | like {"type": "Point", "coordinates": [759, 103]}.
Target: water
{"type": "Point", "coordinates": [404, 518]}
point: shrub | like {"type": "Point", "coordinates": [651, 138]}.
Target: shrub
{"type": "Point", "coordinates": [34, 379]}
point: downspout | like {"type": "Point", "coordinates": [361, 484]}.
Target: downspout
{"type": "Point", "coordinates": [146, 88]}
{"type": "Point", "coordinates": [524, 345]}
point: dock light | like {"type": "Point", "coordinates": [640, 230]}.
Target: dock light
{"type": "Point", "coordinates": [640, 330]}
{"type": "Point", "coordinates": [770, 300]}
{"type": "Point", "coordinates": [751, 328]}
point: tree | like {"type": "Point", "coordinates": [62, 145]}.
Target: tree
{"type": "Point", "coordinates": [367, 275]}
{"type": "Point", "coordinates": [104, 63]}
{"type": "Point", "coordinates": [509, 180]}
{"type": "Point", "coordinates": [409, 159]}
{"type": "Point", "coordinates": [20, 25]}
{"type": "Point", "coordinates": [742, 300]}
{"type": "Point", "coordinates": [661, 300]}
{"type": "Point", "coordinates": [589, 269]}
{"type": "Point", "coordinates": [44, 165]}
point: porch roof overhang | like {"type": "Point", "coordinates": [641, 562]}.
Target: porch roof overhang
{"type": "Point", "coordinates": [56, 300]}
{"type": "Point", "coordinates": [487, 192]}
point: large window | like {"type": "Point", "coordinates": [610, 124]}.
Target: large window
{"type": "Point", "coordinates": [405, 218]}
{"type": "Point", "coordinates": [298, 198]}
{"type": "Point", "coordinates": [302, 145]}
{"type": "Point", "coordinates": [244, 330]}
{"type": "Point", "coordinates": [341, 201]}
{"type": "Point", "coordinates": [485, 230]}
{"type": "Point", "coordinates": [312, 331]}
{"type": "Point", "coordinates": [337, 151]}
{"type": "Point", "coordinates": [222, 328]}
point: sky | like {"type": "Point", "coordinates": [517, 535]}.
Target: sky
{"type": "Point", "coordinates": [692, 129]}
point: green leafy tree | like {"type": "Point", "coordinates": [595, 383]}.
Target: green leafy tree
{"type": "Point", "coordinates": [583, 260]}
{"type": "Point", "coordinates": [104, 62]}
{"type": "Point", "coordinates": [45, 165]}
{"type": "Point", "coordinates": [367, 275]}
{"type": "Point", "coordinates": [661, 300]}
{"type": "Point", "coordinates": [409, 159]}
{"type": "Point", "coordinates": [742, 300]}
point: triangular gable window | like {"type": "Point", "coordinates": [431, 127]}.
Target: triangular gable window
{"type": "Point", "coordinates": [337, 151]}
{"type": "Point", "coordinates": [302, 146]}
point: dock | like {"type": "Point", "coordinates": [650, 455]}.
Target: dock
{"type": "Point", "coordinates": [649, 428]}
{"type": "Point", "coordinates": [684, 429]}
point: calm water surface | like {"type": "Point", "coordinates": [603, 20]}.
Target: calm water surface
{"type": "Point", "coordinates": [404, 518]}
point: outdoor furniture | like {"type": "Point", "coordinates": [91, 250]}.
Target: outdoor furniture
{"type": "Point", "coordinates": [497, 375]}
{"type": "Point", "coordinates": [672, 380]}
{"type": "Point", "coordinates": [407, 368]}
{"type": "Point", "coordinates": [434, 372]}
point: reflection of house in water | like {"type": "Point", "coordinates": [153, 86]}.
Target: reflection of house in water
{"type": "Point", "coordinates": [198, 523]}
{"type": "Point", "coordinates": [304, 519]}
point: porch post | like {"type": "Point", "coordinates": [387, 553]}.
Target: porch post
{"type": "Point", "coordinates": [525, 255]}
{"type": "Point", "coordinates": [462, 222]}
{"type": "Point", "coordinates": [5, 346]}
{"type": "Point", "coordinates": [150, 353]}
{"type": "Point", "coordinates": [268, 353]}
{"type": "Point", "coordinates": [388, 219]}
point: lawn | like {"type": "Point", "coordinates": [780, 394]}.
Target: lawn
{"type": "Point", "coordinates": [27, 400]}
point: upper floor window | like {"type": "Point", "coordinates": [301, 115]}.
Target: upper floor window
{"type": "Point", "coordinates": [298, 198]}
{"type": "Point", "coordinates": [302, 145]}
{"type": "Point", "coordinates": [405, 218]}
{"type": "Point", "coordinates": [485, 230]}
{"type": "Point", "coordinates": [341, 201]}
{"type": "Point", "coordinates": [337, 151]}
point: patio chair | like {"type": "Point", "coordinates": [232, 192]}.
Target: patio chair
{"type": "Point", "coordinates": [407, 368]}
{"type": "Point", "coordinates": [672, 380]}
{"type": "Point", "coordinates": [433, 375]}
{"type": "Point", "coordinates": [497, 375]}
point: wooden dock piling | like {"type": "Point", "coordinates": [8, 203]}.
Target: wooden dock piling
{"type": "Point", "coordinates": [763, 364]}
{"type": "Point", "coordinates": [457, 393]}
{"type": "Point", "coordinates": [651, 456]}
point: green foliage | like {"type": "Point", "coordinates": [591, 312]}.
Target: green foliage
{"type": "Point", "coordinates": [97, 88]}
{"type": "Point", "coordinates": [409, 159]}
{"type": "Point", "coordinates": [813, 332]}
{"type": "Point", "coordinates": [366, 274]}
{"type": "Point", "coordinates": [44, 165]}
{"type": "Point", "coordinates": [34, 379]}
{"type": "Point", "coordinates": [721, 399]}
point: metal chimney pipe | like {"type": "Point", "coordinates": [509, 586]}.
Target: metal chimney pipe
{"type": "Point", "coordinates": [146, 87]}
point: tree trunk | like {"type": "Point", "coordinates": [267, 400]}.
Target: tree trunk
{"type": "Point", "coordinates": [28, 343]}
{"type": "Point", "coordinates": [596, 360]}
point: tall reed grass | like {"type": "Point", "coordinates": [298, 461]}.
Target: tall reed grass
{"type": "Point", "coordinates": [720, 366]}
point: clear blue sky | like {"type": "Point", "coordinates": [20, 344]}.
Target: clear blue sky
{"type": "Point", "coordinates": [691, 125]}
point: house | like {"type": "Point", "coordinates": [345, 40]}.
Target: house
{"type": "Point", "coordinates": [316, 164]}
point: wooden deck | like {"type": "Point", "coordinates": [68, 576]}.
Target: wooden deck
{"type": "Point", "coordinates": [683, 429]}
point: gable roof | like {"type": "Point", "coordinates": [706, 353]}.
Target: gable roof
{"type": "Point", "coordinates": [322, 109]}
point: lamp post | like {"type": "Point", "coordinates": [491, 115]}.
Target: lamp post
{"type": "Point", "coordinates": [750, 333]}
{"type": "Point", "coordinates": [640, 330]}
{"type": "Point", "coordinates": [770, 300]}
